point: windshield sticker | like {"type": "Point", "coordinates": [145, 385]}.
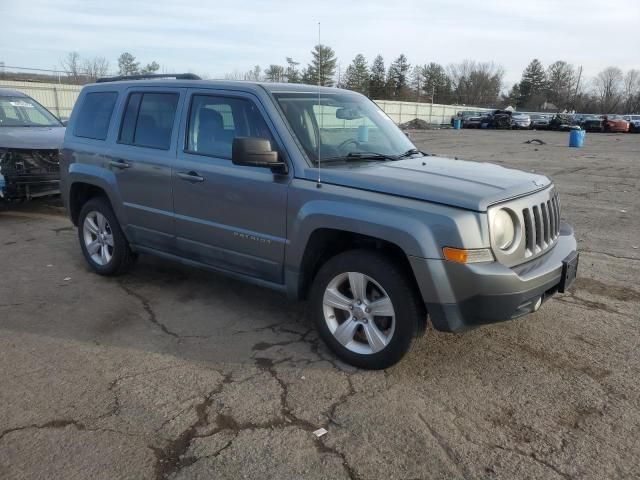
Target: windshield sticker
{"type": "Point", "coordinates": [21, 104]}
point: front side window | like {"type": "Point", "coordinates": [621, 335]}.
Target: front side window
{"type": "Point", "coordinates": [95, 115]}
{"type": "Point", "coordinates": [341, 125]}
{"type": "Point", "coordinates": [25, 112]}
{"type": "Point", "coordinates": [148, 120]}
{"type": "Point", "coordinates": [215, 121]}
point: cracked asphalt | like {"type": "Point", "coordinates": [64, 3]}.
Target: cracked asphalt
{"type": "Point", "coordinates": [174, 373]}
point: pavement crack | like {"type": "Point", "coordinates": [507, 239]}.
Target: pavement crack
{"type": "Point", "coordinates": [146, 305]}
{"type": "Point", "coordinates": [171, 458]}
{"type": "Point", "coordinates": [444, 447]}
{"type": "Point", "coordinates": [612, 255]}
{"type": "Point", "coordinates": [58, 423]}
{"type": "Point", "coordinates": [533, 457]}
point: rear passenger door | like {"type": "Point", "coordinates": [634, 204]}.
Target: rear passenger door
{"type": "Point", "coordinates": [143, 157]}
{"type": "Point", "coordinates": [228, 216]}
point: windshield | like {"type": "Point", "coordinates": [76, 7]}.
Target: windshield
{"type": "Point", "coordinates": [349, 126]}
{"type": "Point", "coordinates": [25, 112]}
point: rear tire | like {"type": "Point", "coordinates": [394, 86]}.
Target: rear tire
{"type": "Point", "coordinates": [103, 244]}
{"type": "Point", "coordinates": [347, 321]}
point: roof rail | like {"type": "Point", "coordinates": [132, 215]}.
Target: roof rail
{"type": "Point", "coordinates": [177, 76]}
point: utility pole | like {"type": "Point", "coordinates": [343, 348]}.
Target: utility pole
{"type": "Point", "coordinates": [433, 94]}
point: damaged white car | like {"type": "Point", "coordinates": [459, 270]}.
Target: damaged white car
{"type": "Point", "coordinates": [30, 139]}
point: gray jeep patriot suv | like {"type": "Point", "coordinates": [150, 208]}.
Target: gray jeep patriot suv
{"type": "Point", "coordinates": [314, 192]}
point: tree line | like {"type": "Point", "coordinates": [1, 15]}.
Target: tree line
{"type": "Point", "coordinates": [86, 70]}
{"type": "Point", "coordinates": [560, 86]}
{"type": "Point", "coordinates": [474, 83]}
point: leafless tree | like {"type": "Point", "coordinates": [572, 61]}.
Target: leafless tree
{"type": "Point", "coordinates": [95, 68]}
{"type": "Point", "coordinates": [632, 91]}
{"type": "Point", "coordinates": [476, 83]}
{"type": "Point", "coordinates": [71, 64]}
{"type": "Point", "coordinates": [608, 86]}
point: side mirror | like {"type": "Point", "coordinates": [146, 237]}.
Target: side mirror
{"type": "Point", "coordinates": [256, 152]}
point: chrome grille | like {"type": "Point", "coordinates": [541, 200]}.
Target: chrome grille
{"type": "Point", "coordinates": [541, 225]}
{"type": "Point", "coordinates": [537, 226]}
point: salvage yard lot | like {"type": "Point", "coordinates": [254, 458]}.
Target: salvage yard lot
{"type": "Point", "coordinates": [170, 372]}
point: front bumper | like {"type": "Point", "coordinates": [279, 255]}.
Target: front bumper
{"type": "Point", "coordinates": [463, 296]}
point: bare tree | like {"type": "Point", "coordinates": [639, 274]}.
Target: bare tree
{"type": "Point", "coordinates": [95, 68]}
{"type": "Point", "coordinates": [632, 91]}
{"type": "Point", "coordinates": [71, 64]}
{"type": "Point", "coordinates": [476, 83]}
{"type": "Point", "coordinates": [608, 85]}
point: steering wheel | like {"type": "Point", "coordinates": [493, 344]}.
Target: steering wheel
{"type": "Point", "coordinates": [347, 142]}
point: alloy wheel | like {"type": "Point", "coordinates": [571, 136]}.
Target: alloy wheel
{"type": "Point", "coordinates": [359, 313]}
{"type": "Point", "coordinates": [98, 238]}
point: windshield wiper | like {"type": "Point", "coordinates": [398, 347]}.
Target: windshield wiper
{"type": "Point", "coordinates": [355, 156]}
{"type": "Point", "coordinates": [411, 151]}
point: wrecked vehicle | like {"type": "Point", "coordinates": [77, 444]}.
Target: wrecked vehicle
{"type": "Point", "coordinates": [592, 123]}
{"type": "Point", "coordinates": [30, 138]}
{"type": "Point", "coordinates": [501, 119]}
{"type": "Point", "coordinates": [614, 124]}
{"type": "Point", "coordinates": [562, 121]}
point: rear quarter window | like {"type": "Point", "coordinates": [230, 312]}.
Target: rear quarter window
{"type": "Point", "coordinates": [148, 120]}
{"type": "Point", "coordinates": [95, 115]}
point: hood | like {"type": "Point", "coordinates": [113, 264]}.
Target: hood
{"type": "Point", "coordinates": [48, 138]}
{"type": "Point", "coordinates": [459, 183]}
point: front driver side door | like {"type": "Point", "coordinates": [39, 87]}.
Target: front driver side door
{"type": "Point", "coordinates": [228, 216]}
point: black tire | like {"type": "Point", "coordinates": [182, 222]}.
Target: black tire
{"type": "Point", "coordinates": [410, 313]}
{"type": "Point", "coordinates": [122, 257]}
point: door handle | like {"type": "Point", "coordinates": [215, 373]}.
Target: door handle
{"type": "Point", "coordinates": [119, 164]}
{"type": "Point", "coordinates": [191, 176]}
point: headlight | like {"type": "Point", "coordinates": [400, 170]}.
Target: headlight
{"type": "Point", "coordinates": [504, 229]}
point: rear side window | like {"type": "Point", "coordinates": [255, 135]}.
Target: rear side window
{"type": "Point", "coordinates": [95, 115]}
{"type": "Point", "coordinates": [148, 120]}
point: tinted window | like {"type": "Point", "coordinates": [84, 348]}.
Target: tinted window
{"type": "Point", "coordinates": [148, 119]}
{"type": "Point", "coordinates": [95, 115]}
{"type": "Point", "coordinates": [215, 121]}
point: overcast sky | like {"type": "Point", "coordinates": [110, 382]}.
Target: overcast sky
{"type": "Point", "coordinates": [215, 37]}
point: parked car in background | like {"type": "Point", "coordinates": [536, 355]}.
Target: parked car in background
{"type": "Point", "coordinates": [30, 138]}
{"type": "Point", "coordinates": [501, 119]}
{"type": "Point", "coordinates": [561, 121]}
{"type": "Point", "coordinates": [614, 124]}
{"type": "Point", "coordinates": [473, 120]}
{"type": "Point", "coordinates": [461, 115]}
{"type": "Point", "coordinates": [225, 176]}
{"type": "Point", "coordinates": [539, 121]}
{"type": "Point", "coordinates": [520, 120]}
{"type": "Point", "coordinates": [634, 123]}
{"type": "Point", "coordinates": [592, 123]}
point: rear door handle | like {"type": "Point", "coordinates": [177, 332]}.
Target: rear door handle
{"type": "Point", "coordinates": [119, 164]}
{"type": "Point", "coordinates": [193, 177]}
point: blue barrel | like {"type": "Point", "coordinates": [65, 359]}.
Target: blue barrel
{"type": "Point", "coordinates": [576, 138]}
{"type": "Point", "coordinates": [457, 124]}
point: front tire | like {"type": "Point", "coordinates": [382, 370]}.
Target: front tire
{"type": "Point", "coordinates": [103, 244]}
{"type": "Point", "coordinates": [366, 309]}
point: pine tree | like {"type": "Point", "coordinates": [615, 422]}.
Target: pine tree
{"type": "Point", "coordinates": [398, 77]}
{"type": "Point", "coordinates": [152, 67]}
{"type": "Point", "coordinates": [356, 77]}
{"type": "Point", "coordinates": [533, 84]}
{"type": "Point", "coordinates": [275, 73]}
{"type": "Point", "coordinates": [378, 79]}
{"type": "Point", "coordinates": [323, 66]}
{"type": "Point", "coordinates": [292, 73]}
{"type": "Point", "coordinates": [127, 64]}
{"type": "Point", "coordinates": [436, 83]}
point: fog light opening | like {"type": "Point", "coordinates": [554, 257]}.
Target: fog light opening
{"type": "Point", "coordinates": [537, 304]}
